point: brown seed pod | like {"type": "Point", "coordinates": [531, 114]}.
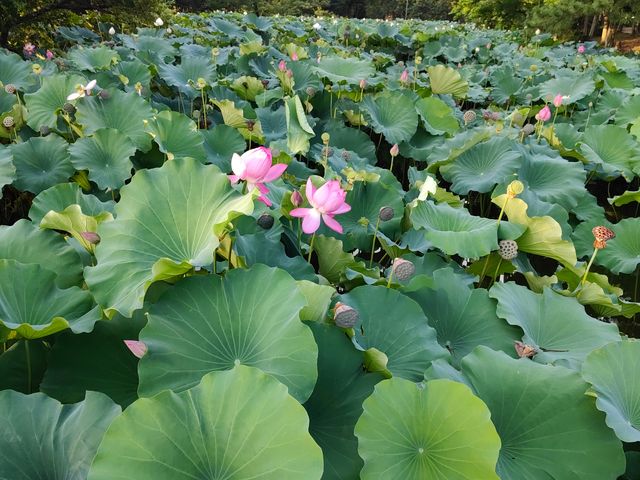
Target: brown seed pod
{"type": "Point", "coordinates": [10, 88]}
{"type": "Point", "coordinates": [386, 214]}
{"type": "Point", "coordinates": [525, 351]}
{"type": "Point", "coordinates": [603, 233]}
{"type": "Point", "coordinates": [469, 116]}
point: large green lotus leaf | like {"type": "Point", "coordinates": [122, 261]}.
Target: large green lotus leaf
{"type": "Point", "coordinates": [556, 325]}
{"type": "Point", "coordinates": [164, 227]}
{"type": "Point", "coordinates": [506, 84]}
{"type": "Point", "coordinates": [187, 73]}
{"type": "Point", "coordinates": [34, 307]}
{"type": "Point", "coordinates": [613, 372]}
{"type": "Point", "coordinates": [437, 117]}
{"type": "Point", "coordinates": [347, 70]}
{"type": "Point", "coordinates": [483, 166]}
{"type": "Point", "coordinates": [462, 316]}
{"type": "Point", "coordinates": [299, 132]}
{"type": "Point", "coordinates": [41, 438]}
{"type": "Point", "coordinates": [7, 170]}
{"type": "Point", "coordinates": [14, 70]}
{"type": "Point", "coordinates": [41, 162]}
{"type": "Point", "coordinates": [235, 117]}
{"type": "Point", "coordinates": [332, 259]}
{"type": "Point", "coordinates": [250, 317]}
{"type": "Point", "coordinates": [611, 148]}
{"type": "Point", "coordinates": [455, 230]}
{"type": "Point", "coordinates": [220, 143]}
{"type": "Point", "coordinates": [548, 427]}
{"type": "Point", "coordinates": [237, 424]}
{"type": "Point", "coordinates": [543, 235]}
{"type": "Point", "coordinates": [106, 155]}
{"type": "Point", "coordinates": [622, 254]}
{"type": "Point", "coordinates": [318, 299]}
{"type": "Point", "coordinates": [351, 139]}
{"type": "Point", "coordinates": [568, 83]}
{"type": "Point", "coordinates": [395, 325]}
{"type": "Point", "coordinates": [7, 103]}
{"type": "Point", "coordinates": [61, 196]}
{"type": "Point", "coordinates": [44, 104]}
{"type": "Point", "coordinates": [126, 112]}
{"type": "Point", "coordinates": [93, 59]}
{"type": "Point", "coordinates": [22, 366]}
{"type": "Point", "coordinates": [434, 430]}
{"type": "Point", "coordinates": [393, 116]}
{"type": "Point", "coordinates": [274, 123]}
{"type": "Point", "coordinates": [336, 402]}
{"type": "Point", "coordinates": [97, 361]}
{"type": "Point", "coordinates": [447, 80]}
{"type": "Point", "coordinates": [26, 243]}
{"type": "Point", "coordinates": [628, 113]}
{"type": "Point", "coordinates": [133, 72]}
{"type": "Point", "coordinates": [177, 136]}
{"type": "Point", "coordinates": [627, 197]}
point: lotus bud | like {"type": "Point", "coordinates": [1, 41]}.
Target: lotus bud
{"type": "Point", "coordinates": [404, 76]}
{"type": "Point", "coordinates": [289, 73]}
{"type": "Point", "coordinates": [8, 122]}
{"type": "Point", "coordinates": [394, 150]}
{"type": "Point", "coordinates": [345, 316]}
{"type": "Point", "coordinates": [581, 49]}
{"type": "Point", "coordinates": [201, 83]}
{"type": "Point", "coordinates": [10, 88]}
{"type": "Point", "coordinates": [515, 188]}
{"type": "Point", "coordinates": [363, 84]}
{"type": "Point", "coordinates": [469, 116]}
{"type": "Point", "coordinates": [525, 351]}
{"type": "Point", "coordinates": [169, 31]}
{"type": "Point", "coordinates": [294, 56]}
{"type": "Point", "coordinates": [158, 22]}
{"type": "Point", "coordinates": [508, 249]}
{"type": "Point", "coordinates": [104, 95]}
{"type": "Point", "coordinates": [282, 66]}
{"type": "Point", "coordinates": [537, 31]}
{"type": "Point", "coordinates": [557, 101]}
{"type": "Point", "coordinates": [385, 214]}
{"type": "Point", "coordinates": [112, 31]}
{"type": "Point", "coordinates": [265, 221]}
{"type": "Point", "coordinates": [325, 138]}
{"type": "Point", "coordinates": [403, 269]}
{"type": "Point", "coordinates": [92, 237]}
{"type": "Point", "coordinates": [296, 198]}
{"type": "Point", "coordinates": [139, 349]}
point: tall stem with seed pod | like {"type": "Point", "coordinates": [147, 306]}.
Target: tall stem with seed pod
{"type": "Point", "coordinates": [601, 235]}
{"type": "Point", "coordinates": [515, 188]}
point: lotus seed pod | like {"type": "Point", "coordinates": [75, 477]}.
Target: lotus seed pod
{"type": "Point", "coordinates": [10, 88]}
{"type": "Point", "coordinates": [386, 214]}
{"type": "Point", "coordinates": [68, 108]}
{"type": "Point", "coordinates": [525, 351]}
{"type": "Point", "coordinates": [250, 124]}
{"type": "Point", "coordinates": [517, 117]}
{"type": "Point", "coordinates": [104, 95]}
{"type": "Point", "coordinates": [603, 233]}
{"type": "Point", "coordinates": [44, 130]}
{"type": "Point", "coordinates": [91, 237]}
{"type": "Point", "coordinates": [528, 129]}
{"type": "Point", "coordinates": [403, 269]}
{"type": "Point", "coordinates": [469, 116]}
{"type": "Point", "coordinates": [345, 316]}
{"type": "Point", "coordinates": [346, 155]}
{"type": "Point", "coordinates": [325, 138]}
{"type": "Point", "coordinates": [515, 188]}
{"type": "Point", "coordinates": [310, 91]}
{"type": "Point", "coordinates": [8, 122]}
{"type": "Point", "coordinates": [265, 221]}
{"type": "Point", "coordinates": [508, 249]}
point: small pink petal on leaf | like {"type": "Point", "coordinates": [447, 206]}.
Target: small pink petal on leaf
{"type": "Point", "coordinates": [137, 348]}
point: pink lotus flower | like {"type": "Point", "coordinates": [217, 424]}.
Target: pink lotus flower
{"type": "Point", "coordinates": [137, 348]}
{"type": "Point", "coordinates": [557, 101]}
{"type": "Point", "coordinates": [404, 76]}
{"type": "Point", "coordinates": [294, 56]}
{"type": "Point", "coordinates": [326, 202]}
{"type": "Point", "coordinates": [544, 114]}
{"type": "Point", "coordinates": [49, 55]}
{"type": "Point", "coordinates": [581, 49]}
{"type": "Point", "coordinates": [29, 49]}
{"type": "Point", "coordinates": [282, 66]}
{"type": "Point", "coordinates": [255, 167]}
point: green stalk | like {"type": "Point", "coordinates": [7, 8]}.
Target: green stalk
{"type": "Point", "coordinates": [586, 272]}
{"type": "Point", "coordinates": [390, 276]}
{"type": "Point", "coordinates": [311, 247]}
{"type": "Point", "coordinates": [502, 210]}
{"type": "Point", "coordinates": [495, 275]}
{"type": "Point", "coordinates": [204, 109]}
{"type": "Point", "coordinates": [26, 349]}
{"type": "Point", "coordinates": [373, 244]}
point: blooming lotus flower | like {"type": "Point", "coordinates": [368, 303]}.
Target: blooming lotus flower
{"type": "Point", "coordinates": [49, 55]}
{"type": "Point", "coordinates": [158, 22]}
{"type": "Point", "coordinates": [136, 347]}
{"type": "Point", "coordinates": [544, 114]}
{"type": "Point", "coordinates": [255, 167]}
{"type": "Point", "coordinates": [83, 90]}
{"type": "Point", "coordinates": [404, 76]}
{"type": "Point", "coordinates": [29, 49]}
{"type": "Point", "coordinates": [317, 26]}
{"type": "Point", "coordinates": [294, 56]}
{"type": "Point", "coordinates": [581, 49]}
{"type": "Point", "coordinates": [557, 101]}
{"type": "Point", "coordinates": [326, 202]}
{"type": "Point", "coordinates": [282, 66]}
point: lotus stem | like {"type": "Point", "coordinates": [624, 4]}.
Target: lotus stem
{"type": "Point", "coordinates": [313, 237]}
{"type": "Point", "coordinates": [502, 210]}
{"type": "Point", "coordinates": [484, 269]}
{"type": "Point", "coordinates": [204, 109]}
{"type": "Point", "coordinates": [495, 275]}
{"type": "Point", "coordinates": [28, 354]}
{"type": "Point", "coordinates": [373, 244]}
{"type": "Point", "coordinates": [390, 277]}
{"type": "Point", "coordinates": [586, 272]}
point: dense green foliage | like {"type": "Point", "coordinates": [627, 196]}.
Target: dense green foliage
{"type": "Point", "coordinates": [237, 246]}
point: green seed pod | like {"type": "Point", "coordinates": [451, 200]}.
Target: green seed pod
{"type": "Point", "coordinates": [386, 214]}
{"type": "Point", "coordinates": [345, 316]}
{"type": "Point", "coordinates": [265, 221]}
{"type": "Point", "coordinates": [469, 116]}
{"type": "Point", "coordinates": [8, 122]}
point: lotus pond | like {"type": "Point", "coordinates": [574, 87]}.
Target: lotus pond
{"type": "Point", "coordinates": [280, 248]}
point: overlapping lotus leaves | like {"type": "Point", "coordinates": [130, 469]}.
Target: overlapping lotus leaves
{"type": "Point", "coordinates": [612, 150]}
{"type": "Point", "coordinates": [61, 196]}
{"type": "Point", "coordinates": [7, 170]}
{"type": "Point", "coordinates": [45, 104]}
{"type": "Point", "coordinates": [76, 224]}
{"type": "Point", "coordinates": [131, 73]}
{"type": "Point", "coordinates": [557, 326]}
{"type": "Point", "coordinates": [336, 402]}
{"type": "Point", "coordinates": [463, 317]}
{"type": "Point", "coordinates": [483, 166]}
{"type": "Point", "coordinates": [33, 306]}
{"type": "Point", "coordinates": [506, 84]}
{"type": "Point", "coordinates": [41, 438]}
{"type": "Point", "coordinates": [97, 361]}
{"type": "Point", "coordinates": [41, 162]}
{"type": "Point", "coordinates": [250, 317]}
{"type": "Point", "coordinates": [568, 83]}
{"type": "Point", "coordinates": [455, 230]}
{"type": "Point", "coordinates": [622, 254]}
{"type": "Point", "coordinates": [332, 259]}
{"type": "Point", "coordinates": [93, 59]}
{"type": "Point", "coordinates": [185, 75]}
{"type": "Point", "coordinates": [164, 227]}
{"type": "Point", "coordinates": [437, 117]}
{"type": "Point", "coordinates": [395, 325]}
{"type": "Point", "coordinates": [547, 425]}
{"type": "Point", "coordinates": [220, 143]}
{"type": "Point", "coordinates": [125, 112]}
{"type": "Point", "coordinates": [177, 136]}
{"type": "Point", "coordinates": [14, 70]}
{"type": "Point", "coordinates": [299, 132]}
{"type": "Point", "coordinates": [106, 155]}
{"type": "Point", "coordinates": [234, 117]}
{"type": "Point", "coordinates": [447, 80]}
{"type": "Point", "coordinates": [16, 373]}
{"type": "Point", "coordinates": [393, 116]}
{"type": "Point", "coordinates": [612, 370]}
{"type": "Point", "coordinates": [440, 431]}
{"type": "Point", "coordinates": [26, 243]}
{"type": "Point", "coordinates": [347, 70]}
{"type": "Point", "coordinates": [239, 424]}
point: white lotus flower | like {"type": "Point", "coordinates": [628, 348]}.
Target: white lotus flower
{"type": "Point", "coordinates": [82, 90]}
{"type": "Point", "coordinates": [169, 31]}
{"type": "Point", "coordinates": [537, 31]}
{"type": "Point", "coordinates": [112, 31]}
{"type": "Point", "coordinates": [158, 22]}
{"type": "Point", "coordinates": [317, 26]}
{"type": "Point", "coordinates": [429, 186]}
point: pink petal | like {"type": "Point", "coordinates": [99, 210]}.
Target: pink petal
{"type": "Point", "coordinates": [300, 212]}
{"type": "Point", "coordinates": [264, 190]}
{"type": "Point", "coordinates": [310, 190]}
{"type": "Point", "coordinates": [275, 172]}
{"type": "Point", "coordinates": [233, 178]}
{"type": "Point", "coordinates": [265, 200]}
{"type": "Point", "coordinates": [311, 221]}
{"type": "Point", "coordinates": [322, 194]}
{"type": "Point", "coordinates": [344, 208]}
{"type": "Point", "coordinates": [137, 348]}
{"type": "Point", "coordinates": [332, 223]}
